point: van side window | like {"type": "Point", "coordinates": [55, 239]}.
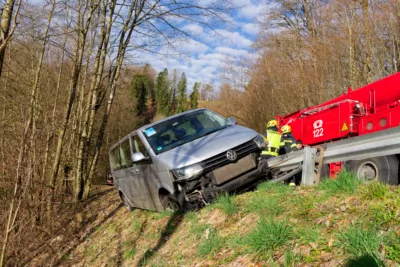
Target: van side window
{"type": "Point", "coordinates": [125, 154]}
{"type": "Point", "coordinates": [138, 146]}
{"type": "Point", "coordinates": [115, 159]}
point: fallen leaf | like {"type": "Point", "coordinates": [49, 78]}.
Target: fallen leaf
{"type": "Point", "coordinates": [382, 250]}
{"type": "Point", "coordinates": [207, 233]}
{"type": "Point", "coordinates": [331, 241]}
{"type": "Point", "coordinates": [327, 223]}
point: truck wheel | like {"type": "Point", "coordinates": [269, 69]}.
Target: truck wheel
{"type": "Point", "coordinates": [169, 203]}
{"type": "Point", "coordinates": [383, 169]}
{"type": "Point", "coordinates": [126, 203]}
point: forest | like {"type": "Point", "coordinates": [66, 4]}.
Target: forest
{"type": "Point", "coordinates": [70, 87]}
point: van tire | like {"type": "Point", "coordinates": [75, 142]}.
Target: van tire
{"type": "Point", "coordinates": [169, 203]}
{"type": "Point", "coordinates": [126, 203]}
{"type": "Point", "coordinates": [385, 168]}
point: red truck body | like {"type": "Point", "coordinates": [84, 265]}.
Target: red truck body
{"type": "Point", "coordinates": [371, 108]}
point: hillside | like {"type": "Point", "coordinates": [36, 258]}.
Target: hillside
{"type": "Point", "coordinates": [342, 222]}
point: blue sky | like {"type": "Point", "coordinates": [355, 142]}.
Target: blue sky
{"type": "Point", "coordinates": [204, 55]}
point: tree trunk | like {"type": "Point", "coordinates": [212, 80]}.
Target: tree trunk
{"type": "Point", "coordinates": [5, 27]}
{"type": "Point", "coordinates": [79, 51]}
{"type": "Point", "coordinates": [124, 39]}
{"type": "Point", "coordinates": [368, 50]}
{"type": "Point", "coordinates": [92, 107]}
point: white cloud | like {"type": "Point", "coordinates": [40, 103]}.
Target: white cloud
{"type": "Point", "coordinates": [232, 52]}
{"type": "Point", "coordinates": [250, 11]}
{"type": "Point", "coordinates": [234, 39]}
{"type": "Point", "coordinates": [193, 47]}
{"type": "Point", "coordinates": [250, 28]}
{"type": "Point", "coordinates": [193, 29]}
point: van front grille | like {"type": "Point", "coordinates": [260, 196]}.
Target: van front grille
{"type": "Point", "coordinates": [221, 159]}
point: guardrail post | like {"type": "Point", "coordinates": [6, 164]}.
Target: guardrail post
{"type": "Point", "coordinates": [308, 176]}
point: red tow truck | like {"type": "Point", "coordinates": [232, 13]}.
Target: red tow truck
{"type": "Point", "coordinates": [372, 108]}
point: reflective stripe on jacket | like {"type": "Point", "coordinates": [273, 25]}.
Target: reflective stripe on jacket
{"type": "Point", "coordinates": [274, 139]}
{"type": "Point", "coordinates": [288, 143]}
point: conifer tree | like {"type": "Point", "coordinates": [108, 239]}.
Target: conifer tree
{"type": "Point", "coordinates": [182, 93]}
{"type": "Point", "coordinates": [194, 96]}
{"type": "Point", "coordinates": [161, 90]}
{"type": "Point", "coordinates": [139, 90]}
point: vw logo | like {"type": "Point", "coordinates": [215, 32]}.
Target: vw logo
{"type": "Point", "coordinates": [231, 155]}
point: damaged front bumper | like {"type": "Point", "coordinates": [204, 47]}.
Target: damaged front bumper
{"type": "Point", "coordinates": [204, 190]}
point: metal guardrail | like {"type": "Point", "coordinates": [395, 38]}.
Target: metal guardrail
{"type": "Point", "coordinates": [382, 143]}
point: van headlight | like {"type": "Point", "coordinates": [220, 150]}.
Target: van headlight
{"type": "Point", "coordinates": [260, 141]}
{"type": "Point", "coordinates": [188, 172]}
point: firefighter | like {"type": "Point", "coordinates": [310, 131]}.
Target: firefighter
{"type": "Point", "coordinates": [288, 144]}
{"type": "Point", "coordinates": [273, 139]}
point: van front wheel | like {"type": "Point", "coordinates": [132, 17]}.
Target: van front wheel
{"type": "Point", "coordinates": [169, 203]}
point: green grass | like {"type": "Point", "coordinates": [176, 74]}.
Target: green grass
{"type": "Point", "coordinates": [373, 191]}
{"type": "Point", "coordinates": [307, 234]}
{"type": "Point", "coordinates": [290, 258]}
{"type": "Point", "coordinates": [191, 216]}
{"type": "Point", "coordinates": [346, 182]}
{"type": "Point", "coordinates": [210, 244]}
{"type": "Point", "coordinates": [112, 228]}
{"type": "Point", "coordinates": [268, 236]}
{"type": "Point", "coordinates": [163, 214]}
{"type": "Point", "coordinates": [263, 204]}
{"type": "Point", "coordinates": [392, 245]}
{"type": "Point", "coordinates": [91, 251]}
{"type": "Point", "coordinates": [136, 224]}
{"type": "Point", "coordinates": [129, 253]}
{"type": "Point", "coordinates": [358, 242]}
{"type": "Point", "coordinates": [198, 229]}
{"type": "Point", "coordinates": [383, 214]}
{"type": "Point", "coordinates": [277, 188]}
{"type": "Point", "coordinates": [226, 203]}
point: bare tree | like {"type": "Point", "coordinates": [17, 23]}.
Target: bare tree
{"type": "Point", "coordinates": [8, 23]}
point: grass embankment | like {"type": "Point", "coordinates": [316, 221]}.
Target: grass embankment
{"type": "Point", "coordinates": [342, 222]}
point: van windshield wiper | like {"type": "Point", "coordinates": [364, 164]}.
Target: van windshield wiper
{"type": "Point", "coordinates": [216, 130]}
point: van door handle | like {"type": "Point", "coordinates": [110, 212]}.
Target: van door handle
{"type": "Point", "coordinates": [136, 171]}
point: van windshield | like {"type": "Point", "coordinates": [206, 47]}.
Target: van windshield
{"type": "Point", "coordinates": [180, 130]}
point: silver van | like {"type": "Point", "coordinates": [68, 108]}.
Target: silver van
{"type": "Point", "coordinates": [185, 161]}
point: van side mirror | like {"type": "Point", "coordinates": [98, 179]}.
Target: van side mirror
{"type": "Point", "coordinates": [138, 157]}
{"type": "Point", "coordinates": [232, 120]}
